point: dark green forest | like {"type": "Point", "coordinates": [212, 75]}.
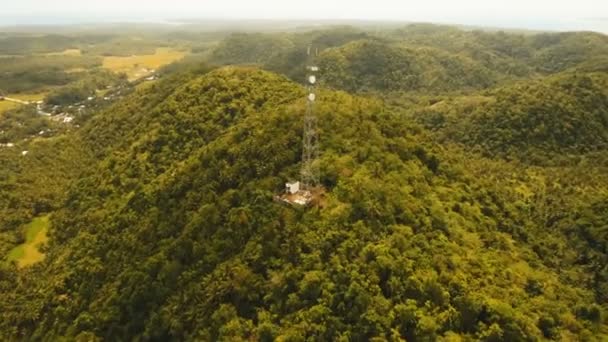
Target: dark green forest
{"type": "Point", "coordinates": [466, 194]}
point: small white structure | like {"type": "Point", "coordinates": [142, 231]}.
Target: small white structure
{"type": "Point", "coordinates": [312, 79]}
{"type": "Point", "coordinates": [292, 188]}
{"type": "Point", "coordinates": [24, 153]}
{"type": "Point", "coordinates": [312, 97]}
{"type": "Point", "coordinates": [90, 98]}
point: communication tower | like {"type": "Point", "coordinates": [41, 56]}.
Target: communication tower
{"type": "Point", "coordinates": [309, 174]}
{"type": "Point", "coordinates": [307, 191]}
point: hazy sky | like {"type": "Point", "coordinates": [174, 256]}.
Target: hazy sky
{"type": "Point", "coordinates": [551, 14]}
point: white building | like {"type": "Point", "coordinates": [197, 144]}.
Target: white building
{"type": "Point", "coordinates": [292, 188]}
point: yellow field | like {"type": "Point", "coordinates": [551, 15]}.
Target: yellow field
{"type": "Point", "coordinates": [75, 70]}
{"type": "Point", "coordinates": [35, 235]}
{"type": "Point", "coordinates": [7, 105]}
{"type": "Point", "coordinates": [139, 66]}
{"type": "Point", "coordinates": [28, 97]}
{"type": "Point", "coordinates": [68, 52]}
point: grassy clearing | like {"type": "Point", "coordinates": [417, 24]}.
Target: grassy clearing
{"type": "Point", "coordinates": [8, 105]}
{"type": "Point", "coordinates": [29, 97]}
{"type": "Point", "coordinates": [35, 235]}
{"type": "Point", "coordinates": [140, 66]}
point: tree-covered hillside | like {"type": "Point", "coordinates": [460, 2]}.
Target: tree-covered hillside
{"type": "Point", "coordinates": [417, 57]}
{"type": "Point", "coordinates": [464, 178]}
{"type": "Point", "coordinates": [565, 115]}
{"type": "Point", "coordinates": [173, 234]}
{"type": "Point", "coordinates": [519, 54]}
{"type": "Point", "coordinates": [377, 66]}
{"type": "Point", "coordinates": [281, 53]}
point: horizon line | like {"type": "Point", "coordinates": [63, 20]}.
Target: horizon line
{"type": "Point", "coordinates": [65, 21]}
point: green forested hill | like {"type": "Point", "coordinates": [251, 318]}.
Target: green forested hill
{"type": "Point", "coordinates": [513, 53]}
{"type": "Point", "coordinates": [465, 175]}
{"type": "Point", "coordinates": [355, 61]}
{"type": "Point", "coordinates": [377, 66]}
{"type": "Point", "coordinates": [173, 233]}
{"type": "Point", "coordinates": [560, 116]}
{"type": "Point", "coordinates": [282, 53]}
{"type": "Point", "coordinates": [250, 48]}
{"type": "Point", "coordinates": [559, 52]}
{"type": "Point", "coordinates": [418, 57]}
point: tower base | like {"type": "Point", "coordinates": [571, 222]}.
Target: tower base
{"type": "Point", "coordinates": [302, 198]}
